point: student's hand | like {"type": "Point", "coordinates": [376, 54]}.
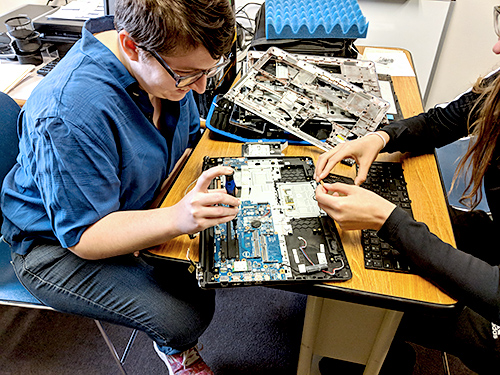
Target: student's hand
{"type": "Point", "coordinates": [353, 207]}
{"type": "Point", "coordinates": [363, 150]}
{"type": "Point", "coordinates": [202, 207]}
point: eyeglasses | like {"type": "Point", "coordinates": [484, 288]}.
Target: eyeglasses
{"type": "Point", "coordinates": [496, 19]}
{"type": "Point", "coordinates": [183, 81]}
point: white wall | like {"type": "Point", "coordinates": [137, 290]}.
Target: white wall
{"type": "Point", "coordinates": [415, 25]}
{"type": "Point", "coordinates": [466, 51]}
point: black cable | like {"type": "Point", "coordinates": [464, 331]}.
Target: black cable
{"type": "Point", "coordinates": [244, 6]}
{"type": "Point", "coordinates": [246, 17]}
{"type": "Point", "coordinates": [250, 31]}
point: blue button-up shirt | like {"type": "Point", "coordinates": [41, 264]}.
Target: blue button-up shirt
{"type": "Point", "coordinates": [88, 148]}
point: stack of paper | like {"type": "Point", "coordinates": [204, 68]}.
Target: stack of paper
{"type": "Point", "coordinates": [389, 61]}
{"type": "Point", "coordinates": [12, 74]}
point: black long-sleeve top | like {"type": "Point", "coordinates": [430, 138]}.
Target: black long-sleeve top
{"type": "Point", "coordinates": [470, 280]}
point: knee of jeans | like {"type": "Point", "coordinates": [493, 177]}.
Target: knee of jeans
{"type": "Point", "coordinates": [187, 324]}
{"type": "Point", "coordinates": [199, 319]}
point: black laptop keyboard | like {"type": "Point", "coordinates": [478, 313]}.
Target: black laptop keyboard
{"type": "Point", "coordinates": [387, 180]}
{"type": "Point", "coordinates": [44, 70]}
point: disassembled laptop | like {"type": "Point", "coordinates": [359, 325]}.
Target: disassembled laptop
{"type": "Point", "coordinates": [280, 234]}
{"type": "Point", "coordinates": [361, 73]}
{"type": "Point", "coordinates": [291, 93]}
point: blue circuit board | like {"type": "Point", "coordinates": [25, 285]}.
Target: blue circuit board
{"type": "Point", "coordinates": [258, 256]}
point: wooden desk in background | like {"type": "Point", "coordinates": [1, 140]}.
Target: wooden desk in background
{"type": "Point", "coordinates": [354, 320]}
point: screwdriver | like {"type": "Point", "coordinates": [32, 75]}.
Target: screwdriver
{"type": "Point", "coordinates": [230, 184]}
{"type": "Point", "coordinates": [231, 190]}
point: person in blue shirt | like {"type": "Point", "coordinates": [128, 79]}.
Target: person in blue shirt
{"type": "Point", "coordinates": [97, 138]}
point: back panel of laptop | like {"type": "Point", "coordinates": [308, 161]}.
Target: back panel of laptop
{"type": "Point", "coordinates": [280, 235]}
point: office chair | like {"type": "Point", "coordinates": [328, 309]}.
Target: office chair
{"type": "Point", "coordinates": [448, 158]}
{"type": "Point", "coordinates": [12, 292]}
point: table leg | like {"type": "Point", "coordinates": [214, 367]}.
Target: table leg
{"type": "Point", "coordinates": [313, 311]}
{"type": "Point", "coordinates": [346, 331]}
{"type": "Point", "coordinates": [383, 341]}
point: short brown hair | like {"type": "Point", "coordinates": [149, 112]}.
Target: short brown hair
{"type": "Point", "coordinates": [167, 26]}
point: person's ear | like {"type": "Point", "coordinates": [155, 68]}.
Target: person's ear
{"type": "Point", "coordinates": [128, 45]}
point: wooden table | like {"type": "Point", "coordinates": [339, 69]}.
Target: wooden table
{"type": "Point", "coordinates": [366, 310]}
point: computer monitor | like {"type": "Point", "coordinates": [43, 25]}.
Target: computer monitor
{"type": "Point", "coordinates": [109, 7]}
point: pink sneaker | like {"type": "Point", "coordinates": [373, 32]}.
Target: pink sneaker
{"type": "Point", "coordinates": [185, 363]}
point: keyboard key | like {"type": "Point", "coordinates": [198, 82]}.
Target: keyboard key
{"type": "Point", "coordinates": [387, 180]}
{"type": "Point", "coordinates": [44, 70]}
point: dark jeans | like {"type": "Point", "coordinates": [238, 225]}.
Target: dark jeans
{"type": "Point", "coordinates": [163, 301]}
{"type": "Point", "coordinates": [466, 334]}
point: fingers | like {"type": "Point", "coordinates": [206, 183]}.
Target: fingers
{"type": "Point", "coordinates": [206, 177]}
{"type": "Point", "coordinates": [353, 207]}
{"type": "Point", "coordinates": [332, 162]}
{"type": "Point", "coordinates": [321, 194]}
{"type": "Point", "coordinates": [338, 187]}
{"type": "Point", "coordinates": [207, 222]}
{"type": "Point", "coordinates": [327, 161]}
{"type": "Point", "coordinates": [363, 150]}
{"type": "Point", "coordinates": [363, 169]}
{"type": "Point", "coordinates": [214, 212]}
{"type": "Point", "coordinates": [199, 210]}
{"type": "Point", "coordinates": [321, 164]}
{"type": "Point", "coordinates": [326, 194]}
{"type": "Point", "coordinates": [220, 220]}
{"type": "Point", "coordinates": [208, 216]}
{"type": "Point", "coordinates": [216, 197]}
{"type": "Point", "coordinates": [205, 203]}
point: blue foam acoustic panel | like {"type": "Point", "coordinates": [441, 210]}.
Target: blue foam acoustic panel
{"type": "Point", "coordinates": [314, 19]}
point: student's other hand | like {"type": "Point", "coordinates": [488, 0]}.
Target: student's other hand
{"type": "Point", "coordinates": [202, 207]}
{"type": "Point", "coordinates": [363, 150]}
{"type": "Point", "coordinates": [353, 207]}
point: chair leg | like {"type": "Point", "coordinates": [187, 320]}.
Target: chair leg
{"type": "Point", "coordinates": [112, 349]}
{"type": "Point", "coordinates": [446, 366]}
{"type": "Point", "coordinates": [129, 346]}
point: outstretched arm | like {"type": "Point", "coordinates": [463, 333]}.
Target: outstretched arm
{"type": "Point", "coordinates": [124, 232]}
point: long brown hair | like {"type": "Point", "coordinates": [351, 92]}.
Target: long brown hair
{"type": "Point", "coordinates": [484, 130]}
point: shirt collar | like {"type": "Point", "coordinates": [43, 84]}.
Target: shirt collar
{"type": "Point", "coordinates": [101, 54]}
